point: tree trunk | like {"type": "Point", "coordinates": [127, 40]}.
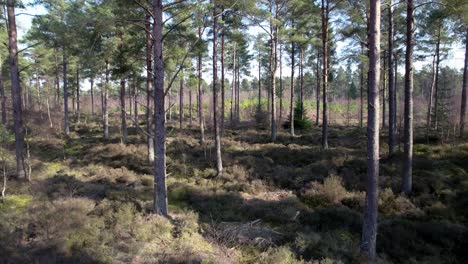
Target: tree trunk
{"type": "Point", "coordinates": [92, 96]}
{"type": "Point", "coordinates": [317, 92]}
{"type": "Point", "coordinates": [431, 97]}
{"type": "Point", "coordinates": [57, 78]}
{"type": "Point", "coordinates": [259, 107]}
{"type": "Point", "coordinates": [301, 81]}
{"type": "Point", "coordinates": [369, 227]}
{"type": "Point", "coordinates": [16, 90]}
{"type": "Point", "coordinates": [78, 93]}
{"type": "Point", "coordinates": [436, 80]}
{"type": "Point", "coordinates": [181, 104]}
{"type": "Point", "coordinates": [65, 94]}
{"type": "Point", "coordinates": [391, 86]}
{"type": "Point", "coordinates": [160, 189]}
{"type": "Point", "coordinates": [281, 85]}
{"type": "Point", "coordinates": [325, 13]}
{"type": "Point", "coordinates": [274, 68]}
{"type": "Point", "coordinates": [149, 90]}
{"type": "Point", "coordinates": [408, 124]}
{"type": "Point", "coordinates": [465, 84]}
{"type": "Point", "coordinates": [222, 83]}
{"type": "Point", "coordinates": [135, 100]}
{"type": "Point", "coordinates": [190, 107]}
{"type": "Point", "coordinates": [2, 96]}
{"type": "Point", "coordinates": [123, 111]}
{"type": "Point", "coordinates": [38, 89]}
{"type": "Point", "coordinates": [200, 94]}
{"type": "Point", "coordinates": [384, 90]}
{"type": "Point", "coordinates": [105, 113]}
{"type": "Point", "coordinates": [291, 102]}
{"type": "Point", "coordinates": [361, 90]}
{"type": "Point", "coordinates": [233, 88]}
{"type": "Point", "coordinates": [219, 162]}
{"type": "Point", "coordinates": [238, 96]}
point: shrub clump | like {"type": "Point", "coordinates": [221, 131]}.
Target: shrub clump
{"type": "Point", "coordinates": [331, 191]}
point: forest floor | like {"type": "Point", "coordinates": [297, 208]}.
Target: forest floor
{"type": "Point", "coordinates": [89, 200]}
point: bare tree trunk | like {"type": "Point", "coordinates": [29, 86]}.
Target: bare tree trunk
{"type": "Point", "coordinates": [259, 107]}
{"type": "Point", "coordinates": [123, 111]}
{"type": "Point", "coordinates": [57, 78]}
{"type": "Point", "coordinates": [181, 104]}
{"type": "Point", "coordinates": [391, 85]}
{"type": "Point", "coordinates": [233, 88]}
{"type": "Point", "coordinates": [317, 92]}
{"type": "Point", "coordinates": [408, 124]}
{"type": "Point", "coordinates": [2, 96]}
{"type": "Point", "coordinates": [38, 89]}
{"type": "Point", "coordinates": [65, 94]}
{"type": "Point", "coordinates": [291, 105]}
{"type": "Point", "coordinates": [273, 69]}
{"type": "Point", "coordinates": [219, 162]}
{"type": "Point", "coordinates": [190, 107]}
{"type": "Point", "coordinates": [200, 94]}
{"type": "Point", "coordinates": [149, 89]}
{"type": "Point", "coordinates": [325, 13]}
{"type": "Point", "coordinates": [92, 96]}
{"type": "Point", "coordinates": [465, 84]}
{"type": "Point", "coordinates": [16, 90]}
{"type": "Point", "coordinates": [431, 97]}
{"type": "Point", "coordinates": [384, 90]}
{"type": "Point", "coordinates": [369, 227]}
{"type": "Point", "coordinates": [238, 96]}
{"type": "Point", "coordinates": [135, 100]}
{"type": "Point", "coordinates": [222, 83]}
{"type": "Point", "coordinates": [281, 85]}
{"type": "Point", "coordinates": [436, 80]}
{"type": "Point", "coordinates": [78, 92]}
{"type": "Point", "coordinates": [361, 90]}
{"type": "Point", "coordinates": [160, 189]}
{"type": "Point", "coordinates": [301, 81]}
{"type": "Point", "coordinates": [105, 112]}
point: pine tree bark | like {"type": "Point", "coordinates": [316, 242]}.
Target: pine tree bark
{"type": "Point", "coordinates": [317, 92]}
{"type": "Point", "coordinates": [92, 96]}
{"type": "Point", "coordinates": [149, 90]}
{"type": "Point", "coordinates": [190, 108]}
{"type": "Point", "coordinates": [200, 94]}
{"type": "Point", "coordinates": [291, 102]}
{"type": "Point", "coordinates": [223, 107]}
{"type": "Point", "coordinates": [16, 90]}
{"type": "Point", "coordinates": [78, 93]}
{"type": "Point", "coordinates": [219, 161]}
{"type": "Point", "coordinates": [181, 104]}
{"type": "Point", "coordinates": [274, 69]}
{"type": "Point", "coordinates": [280, 118]}
{"type": "Point", "coordinates": [391, 86]}
{"type": "Point", "coordinates": [325, 13]}
{"type": "Point", "coordinates": [233, 88]}
{"type": "Point", "coordinates": [369, 227]}
{"type": "Point", "coordinates": [431, 97]}
{"type": "Point", "coordinates": [384, 90]}
{"type": "Point", "coordinates": [123, 112]}
{"type": "Point", "coordinates": [464, 88]}
{"type": "Point", "coordinates": [301, 81]}
{"type": "Point", "coordinates": [2, 96]}
{"type": "Point", "coordinates": [436, 79]}
{"type": "Point", "coordinates": [259, 107]}
{"type": "Point", "coordinates": [65, 94]}
{"type": "Point", "coordinates": [361, 90]}
{"type": "Point", "coordinates": [408, 124]}
{"type": "Point", "coordinates": [160, 189]}
{"type": "Point", "coordinates": [105, 112]}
